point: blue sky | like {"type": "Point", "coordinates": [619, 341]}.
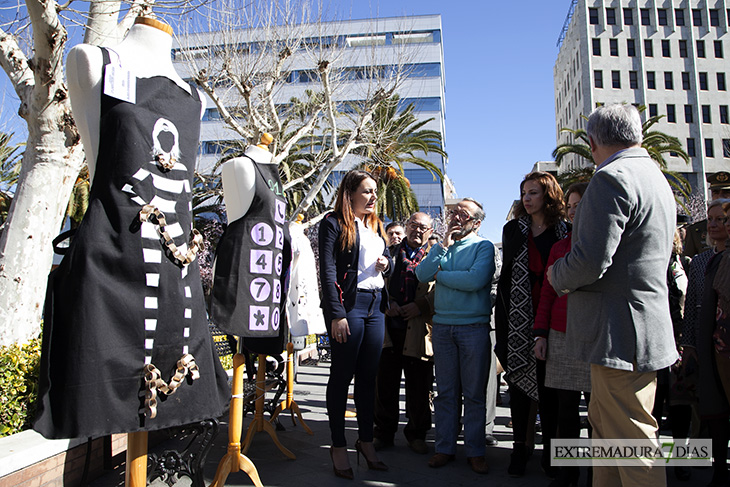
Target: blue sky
{"type": "Point", "coordinates": [500, 109]}
{"type": "Point", "coordinates": [500, 115]}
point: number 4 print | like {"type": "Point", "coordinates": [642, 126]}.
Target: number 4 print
{"type": "Point", "coordinates": [261, 261]}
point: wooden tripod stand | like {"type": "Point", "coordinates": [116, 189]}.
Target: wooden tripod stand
{"type": "Point", "coordinates": [234, 460]}
{"type": "Point", "coordinates": [135, 474]}
{"type": "Point", "coordinates": [259, 423]}
{"type": "Point", "coordinates": [289, 403]}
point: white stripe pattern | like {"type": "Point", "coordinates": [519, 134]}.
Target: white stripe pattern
{"type": "Point", "coordinates": [152, 256]}
{"type": "Point", "coordinates": [149, 231]}
{"type": "Point", "coordinates": [153, 279]}
{"type": "Point", "coordinates": [175, 230]}
{"type": "Point", "coordinates": [164, 205]}
{"type": "Point", "coordinates": [169, 185]}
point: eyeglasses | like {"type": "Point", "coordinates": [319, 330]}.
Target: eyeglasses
{"type": "Point", "coordinates": [461, 215]}
{"type": "Point", "coordinates": [419, 227]}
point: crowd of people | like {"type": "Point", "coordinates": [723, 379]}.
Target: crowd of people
{"type": "Point", "coordinates": [596, 296]}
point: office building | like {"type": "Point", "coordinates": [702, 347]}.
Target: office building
{"type": "Point", "coordinates": [668, 55]}
{"type": "Point", "coordinates": [366, 43]}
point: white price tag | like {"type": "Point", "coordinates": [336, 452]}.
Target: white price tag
{"type": "Point", "coordinates": [120, 83]}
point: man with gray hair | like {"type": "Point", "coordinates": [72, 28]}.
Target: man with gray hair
{"type": "Point", "coordinates": [618, 317]}
{"type": "Point", "coordinates": [407, 346]}
{"type": "Point", "coordinates": [462, 266]}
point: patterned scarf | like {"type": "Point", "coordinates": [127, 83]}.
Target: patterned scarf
{"type": "Point", "coordinates": [521, 365]}
{"type": "Point", "coordinates": [408, 280]}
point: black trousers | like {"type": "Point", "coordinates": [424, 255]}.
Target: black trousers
{"type": "Point", "coordinates": [519, 404]}
{"type": "Point", "coordinates": [358, 357]}
{"type": "Point", "coordinates": [419, 383]}
{"type": "Point", "coordinates": [569, 423]}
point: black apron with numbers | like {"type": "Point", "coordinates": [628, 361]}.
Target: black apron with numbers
{"type": "Point", "coordinates": [252, 265]}
{"type": "Point", "coordinates": [120, 300]}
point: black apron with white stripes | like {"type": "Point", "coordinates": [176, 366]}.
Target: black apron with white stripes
{"type": "Point", "coordinates": [120, 299]}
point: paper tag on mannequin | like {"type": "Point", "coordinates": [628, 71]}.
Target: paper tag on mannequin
{"type": "Point", "coordinates": [120, 83]}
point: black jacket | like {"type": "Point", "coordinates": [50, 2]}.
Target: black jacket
{"type": "Point", "coordinates": [512, 240]}
{"type": "Point", "coordinates": [338, 271]}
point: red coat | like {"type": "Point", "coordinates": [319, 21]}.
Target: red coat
{"type": "Point", "coordinates": [552, 310]}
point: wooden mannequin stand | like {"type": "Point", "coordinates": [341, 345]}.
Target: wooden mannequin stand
{"type": "Point", "coordinates": [234, 460]}
{"type": "Point", "coordinates": [289, 403]}
{"type": "Point", "coordinates": [136, 473]}
{"type": "Point", "coordinates": [259, 423]}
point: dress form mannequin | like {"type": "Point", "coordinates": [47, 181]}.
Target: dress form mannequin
{"type": "Point", "coordinates": [145, 51]}
{"type": "Point", "coordinates": [239, 187]}
{"type": "Point", "coordinates": [239, 178]}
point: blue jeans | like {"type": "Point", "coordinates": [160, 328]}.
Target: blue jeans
{"type": "Point", "coordinates": [461, 355]}
{"type": "Point", "coordinates": [357, 357]}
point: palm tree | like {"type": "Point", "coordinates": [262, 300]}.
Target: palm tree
{"type": "Point", "coordinates": [394, 139]}
{"type": "Point", "coordinates": [656, 143]}
{"type": "Point", "coordinates": [577, 175]}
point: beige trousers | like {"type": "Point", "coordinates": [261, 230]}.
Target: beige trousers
{"type": "Point", "coordinates": [620, 407]}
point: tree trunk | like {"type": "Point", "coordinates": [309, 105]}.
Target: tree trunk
{"type": "Point", "coordinates": [34, 220]}
{"type": "Point", "coordinates": [51, 162]}
{"type": "Point", "coordinates": [102, 29]}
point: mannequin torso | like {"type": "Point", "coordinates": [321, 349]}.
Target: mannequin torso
{"type": "Point", "coordinates": [239, 180]}
{"type": "Point", "coordinates": [145, 51]}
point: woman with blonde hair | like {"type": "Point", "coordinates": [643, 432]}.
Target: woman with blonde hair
{"type": "Point", "coordinates": [353, 261]}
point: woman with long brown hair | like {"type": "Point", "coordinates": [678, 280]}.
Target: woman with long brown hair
{"type": "Point", "coordinates": [526, 242]}
{"type": "Point", "coordinates": [353, 260]}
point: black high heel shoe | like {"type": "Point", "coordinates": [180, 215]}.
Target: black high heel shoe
{"type": "Point", "coordinates": [345, 473]}
{"type": "Point", "coordinates": [376, 465]}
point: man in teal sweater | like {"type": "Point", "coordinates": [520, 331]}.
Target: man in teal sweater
{"type": "Point", "coordinates": [463, 266]}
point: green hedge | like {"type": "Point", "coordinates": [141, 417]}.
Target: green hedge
{"type": "Point", "coordinates": [19, 366]}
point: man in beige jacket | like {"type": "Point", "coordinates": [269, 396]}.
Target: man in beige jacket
{"type": "Point", "coordinates": [407, 346]}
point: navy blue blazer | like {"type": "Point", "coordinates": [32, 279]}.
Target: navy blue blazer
{"type": "Point", "coordinates": [338, 271]}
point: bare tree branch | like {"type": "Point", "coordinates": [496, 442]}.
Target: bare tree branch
{"type": "Point", "coordinates": [49, 40]}
{"type": "Point", "coordinates": [101, 28]}
{"type": "Point", "coordinates": [15, 64]}
{"type": "Point", "coordinates": [245, 91]}
{"type": "Point", "coordinates": [301, 179]}
{"type": "Point", "coordinates": [303, 131]}
{"type": "Point", "coordinates": [202, 81]}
